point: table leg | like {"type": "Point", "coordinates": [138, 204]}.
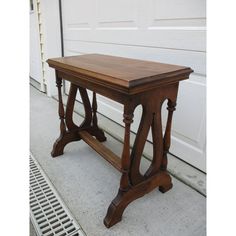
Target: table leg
{"type": "Point", "coordinates": [117, 206]}
{"type": "Point", "coordinates": [66, 136]}
{"type": "Point", "coordinates": [69, 131]}
{"type": "Point", "coordinates": [133, 184]}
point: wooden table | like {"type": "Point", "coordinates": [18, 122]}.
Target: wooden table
{"type": "Point", "coordinates": [131, 83]}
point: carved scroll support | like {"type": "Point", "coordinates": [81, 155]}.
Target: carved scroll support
{"type": "Point", "coordinates": [139, 144]}
{"type": "Point", "coordinates": [70, 108]}
{"type": "Point", "coordinates": [157, 137]}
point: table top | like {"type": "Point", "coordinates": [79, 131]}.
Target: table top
{"type": "Point", "coordinates": [120, 71]}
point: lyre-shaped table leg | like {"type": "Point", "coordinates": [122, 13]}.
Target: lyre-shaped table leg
{"type": "Point", "coordinates": [69, 131]}
{"type": "Point", "coordinates": [66, 136]}
{"type": "Point", "coordinates": [133, 184]}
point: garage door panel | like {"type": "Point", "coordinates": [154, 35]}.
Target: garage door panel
{"type": "Point", "coordinates": [162, 38]}
{"type": "Point", "coordinates": [77, 14]}
{"type": "Point", "coordinates": [178, 9]}
{"type": "Point", "coordinates": [113, 13]}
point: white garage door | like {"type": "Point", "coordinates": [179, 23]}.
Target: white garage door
{"type": "Point", "coordinates": [169, 31]}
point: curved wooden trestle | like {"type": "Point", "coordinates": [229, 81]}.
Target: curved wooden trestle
{"type": "Point", "coordinates": [69, 131]}
{"type": "Point", "coordinates": [133, 184]}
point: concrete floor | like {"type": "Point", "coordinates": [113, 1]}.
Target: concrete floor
{"type": "Point", "coordinates": [87, 184]}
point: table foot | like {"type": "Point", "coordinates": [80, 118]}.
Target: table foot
{"type": "Point", "coordinates": [114, 215]}
{"type": "Point", "coordinates": [118, 205]}
{"type": "Point", "coordinates": [165, 188]}
{"type": "Point", "coordinates": [124, 198]}
{"type": "Point", "coordinates": [98, 133]}
{"type": "Point", "coordinates": [59, 145]}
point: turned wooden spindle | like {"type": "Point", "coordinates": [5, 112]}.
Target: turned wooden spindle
{"type": "Point", "coordinates": [167, 137]}
{"type": "Point", "coordinates": [94, 109]}
{"type": "Point", "coordinates": [125, 158]}
{"type": "Point", "coordinates": [60, 107]}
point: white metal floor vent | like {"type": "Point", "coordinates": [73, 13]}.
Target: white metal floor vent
{"type": "Point", "coordinates": [48, 213]}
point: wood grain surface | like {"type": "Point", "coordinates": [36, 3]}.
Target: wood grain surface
{"type": "Point", "coordinates": [119, 71]}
